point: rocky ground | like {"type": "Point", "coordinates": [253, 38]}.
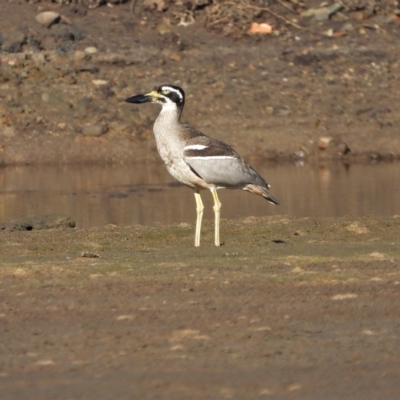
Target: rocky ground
{"type": "Point", "coordinates": [314, 87]}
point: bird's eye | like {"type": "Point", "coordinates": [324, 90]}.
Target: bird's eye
{"type": "Point", "coordinates": [165, 91]}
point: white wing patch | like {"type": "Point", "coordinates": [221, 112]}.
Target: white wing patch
{"type": "Point", "coordinates": [195, 147]}
{"type": "Point", "coordinates": [211, 158]}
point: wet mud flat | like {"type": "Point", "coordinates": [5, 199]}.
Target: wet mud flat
{"type": "Point", "coordinates": [286, 308]}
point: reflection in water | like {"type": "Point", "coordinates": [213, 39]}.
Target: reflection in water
{"type": "Point", "coordinates": [148, 195]}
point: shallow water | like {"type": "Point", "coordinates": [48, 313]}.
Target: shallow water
{"type": "Point", "coordinates": [147, 195]}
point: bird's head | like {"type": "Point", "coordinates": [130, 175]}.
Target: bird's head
{"type": "Point", "coordinates": [168, 95]}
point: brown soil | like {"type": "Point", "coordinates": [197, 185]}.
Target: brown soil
{"type": "Point", "coordinates": [270, 97]}
{"type": "Point", "coordinates": [304, 309]}
{"type": "Point", "coordinates": [286, 308]}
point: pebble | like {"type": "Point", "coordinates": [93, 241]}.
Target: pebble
{"type": "Point", "coordinates": [94, 129]}
{"type": "Point", "coordinates": [91, 50]}
{"type": "Point", "coordinates": [48, 18]}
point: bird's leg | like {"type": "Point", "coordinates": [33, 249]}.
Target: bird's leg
{"type": "Point", "coordinates": [217, 208]}
{"type": "Point", "coordinates": [199, 210]}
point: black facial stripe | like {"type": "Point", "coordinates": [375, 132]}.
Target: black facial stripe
{"type": "Point", "coordinates": [176, 94]}
{"type": "Point", "coordinates": [175, 97]}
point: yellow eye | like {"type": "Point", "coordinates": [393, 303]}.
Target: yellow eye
{"type": "Point", "coordinates": [165, 91]}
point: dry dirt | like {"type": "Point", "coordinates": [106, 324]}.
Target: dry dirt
{"type": "Point", "coordinates": [286, 308]}
{"type": "Point", "coordinates": [275, 97]}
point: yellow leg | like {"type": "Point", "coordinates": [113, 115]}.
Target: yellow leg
{"type": "Point", "coordinates": [199, 210]}
{"type": "Point", "coordinates": [217, 208]}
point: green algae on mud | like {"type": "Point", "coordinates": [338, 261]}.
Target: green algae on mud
{"type": "Point", "coordinates": [271, 243]}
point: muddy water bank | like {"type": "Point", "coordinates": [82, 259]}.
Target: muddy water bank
{"type": "Point", "coordinates": [148, 195]}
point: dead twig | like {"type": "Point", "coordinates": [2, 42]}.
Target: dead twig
{"type": "Point", "coordinates": [218, 21]}
{"type": "Point", "coordinates": [132, 5]}
{"type": "Point", "coordinates": [286, 6]}
{"type": "Point", "coordinates": [297, 3]}
{"type": "Point", "coordinates": [375, 27]}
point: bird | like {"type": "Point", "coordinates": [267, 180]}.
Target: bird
{"type": "Point", "coordinates": [197, 160]}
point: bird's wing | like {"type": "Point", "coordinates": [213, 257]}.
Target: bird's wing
{"type": "Point", "coordinates": [218, 164]}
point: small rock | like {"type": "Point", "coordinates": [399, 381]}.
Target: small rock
{"type": "Point", "coordinates": [321, 14]}
{"type": "Point", "coordinates": [48, 18]}
{"type": "Point", "coordinates": [328, 32]}
{"type": "Point", "coordinates": [95, 129]}
{"type": "Point", "coordinates": [91, 50]}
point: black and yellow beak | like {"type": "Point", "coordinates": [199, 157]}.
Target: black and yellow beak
{"type": "Point", "coordinates": [143, 98]}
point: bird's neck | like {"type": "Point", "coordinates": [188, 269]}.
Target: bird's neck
{"type": "Point", "coordinates": [168, 132]}
{"type": "Point", "coordinates": [169, 118]}
{"type": "Point", "coordinates": [171, 112]}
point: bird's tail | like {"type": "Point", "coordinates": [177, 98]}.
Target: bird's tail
{"type": "Point", "coordinates": [261, 191]}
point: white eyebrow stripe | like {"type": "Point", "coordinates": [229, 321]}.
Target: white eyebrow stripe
{"type": "Point", "coordinates": [174, 90]}
{"type": "Point", "coordinates": [211, 158]}
{"type": "Point", "coordinates": [195, 147]}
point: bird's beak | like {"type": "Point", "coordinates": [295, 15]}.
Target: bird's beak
{"type": "Point", "coordinates": [143, 98]}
